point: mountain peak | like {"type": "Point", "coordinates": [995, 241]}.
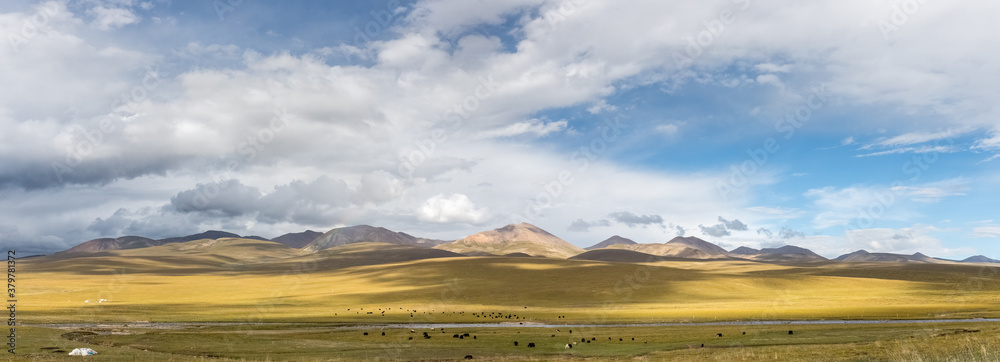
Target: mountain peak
{"type": "Point", "coordinates": [614, 240]}
{"type": "Point", "coordinates": [744, 251]}
{"type": "Point", "coordinates": [696, 243]}
{"type": "Point", "coordinates": [515, 238]}
{"type": "Point", "coordinates": [357, 234]}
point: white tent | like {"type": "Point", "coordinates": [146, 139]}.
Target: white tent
{"type": "Point", "coordinates": [82, 352]}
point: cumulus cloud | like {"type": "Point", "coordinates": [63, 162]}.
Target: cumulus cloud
{"type": "Point", "coordinates": [633, 220]}
{"type": "Point", "coordinates": [787, 233]}
{"type": "Point", "coordinates": [228, 198]}
{"type": "Point", "coordinates": [718, 230]}
{"type": "Point", "coordinates": [352, 121]}
{"type": "Point", "coordinates": [734, 225]}
{"type": "Point", "coordinates": [579, 225]}
{"type": "Point", "coordinates": [450, 209]}
{"type": "Point", "coordinates": [619, 217]}
{"type": "Point", "coordinates": [106, 18]}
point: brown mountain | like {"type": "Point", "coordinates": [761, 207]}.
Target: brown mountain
{"type": "Point", "coordinates": [696, 243]}
{"type": "Point", "coordinates": [614, 240]}
{"type": "Point", "coordinates": [211, 234]}
{"type": "Point", "coordinates": [979, 259]}
{"type": "Point", "coordinates": [787, 253]}
{"type": "Point", "coordinates": [679, 247]}
{"type": "Point", "coordinates": [298, 240]}
{"type": "Point", "coordinates": [520, 238]}
{"type": "Point", "coordinates": [365, 233]}
{"type": "Point", "coordinates": [744, 251]}
{"type": "Point", "coordinates": [138, 242]}
{"type": "Point", "coordinates": [106, 244]}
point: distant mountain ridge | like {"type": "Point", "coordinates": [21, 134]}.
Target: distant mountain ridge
{"type": "Point", "coordinates": [979, 259]}
{"type": "Point", "coordinates": [678, 247]}
{"type": "Point", "coordinates": [138, 242]}
{"type": "Point", "coordinates": [106, 244]}
{"type": "Point", "coordinates": [865, 256]}
{"type": "Point", "coordinates": [521, 239]}
{"type": "Point", "coordinates": [786, 253]}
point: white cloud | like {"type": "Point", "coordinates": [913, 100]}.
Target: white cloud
{"type": "Point", "coordinates": [918, 150]}
{"type": "Point", "coordinates": [669, 129]}
{"type": "Point", "coordinates": [770, 79]}
{"type": "Point", "coordinates": [111, 18]}
{"type": "Point", "coordinates": [908, 240]}
{"type": "Point", "coordinates": [456, 208]}
{"type": "Point", "coordinates": [774, 68]}
{"type": "Point", "coordinates": [534, 127]}
{"type": "Point", "coordinates": [862, 205]}
{"type": "Point", "coordinates": [986, 232]}
{"type": "Point", "coordinates": [353, 122]}
{"type": "Point", "coordinates": [781, 213]}
{"type": "Point", "coordinates": [601, 106]}
{"type": "Point", "coordinates": [933, 192]}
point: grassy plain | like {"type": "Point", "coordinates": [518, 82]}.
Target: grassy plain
{"type": "Point", "coordinates": [250, 281]}
{"type": "Point", "coordinates": [896, 342]}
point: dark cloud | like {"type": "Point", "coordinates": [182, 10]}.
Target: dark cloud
{"type": "Point", "coordinates": [583, 226]}
{"type": "Point", "coordinates": [633, 220]}
{"type": "Point", "coordinates": [305, 202]}
{"type": "Point", "coordinates": [680, 230]}
{"type": "Point", "coordinates": [226, 198]}
{"type": "Point", "coordinates": [735, 224]}
{"type": "Point", "coordinates": [766, 232]}
{"type": "Point", "coordinates": [619, 217]}
{"type": "Point", "coordinates": [787, 233]}
{"type": "Point", "coordinates": [718, 230]}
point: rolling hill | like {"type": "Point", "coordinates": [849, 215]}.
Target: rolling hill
{"type": "Point", "coordinates": [138, 242]}
{"type": "Point", "coordinates": [521, 238]}
{"type": "Point", "coordinates": [617, 255]}
{"type": "Point", "coordinates": [106, 244]}
{"type": "Point", "coordinates": [614, 240]}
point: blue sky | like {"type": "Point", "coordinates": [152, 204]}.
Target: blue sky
{"type": "Point", "coordinates": [832, 125]}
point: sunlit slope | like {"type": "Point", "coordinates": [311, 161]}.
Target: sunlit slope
{"type": "Point", "coordinates": [199, 256]}
{"type": "Point", "coordinates": [514, 238]}
{"type": "Point", "coordinates": [321, 288]}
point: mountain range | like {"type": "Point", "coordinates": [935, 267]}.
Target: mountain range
{"type": "Point", "coordinates": [518, 240]}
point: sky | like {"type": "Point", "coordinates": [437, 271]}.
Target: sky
{"type": "Point", "coordinates": [835, 125]}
